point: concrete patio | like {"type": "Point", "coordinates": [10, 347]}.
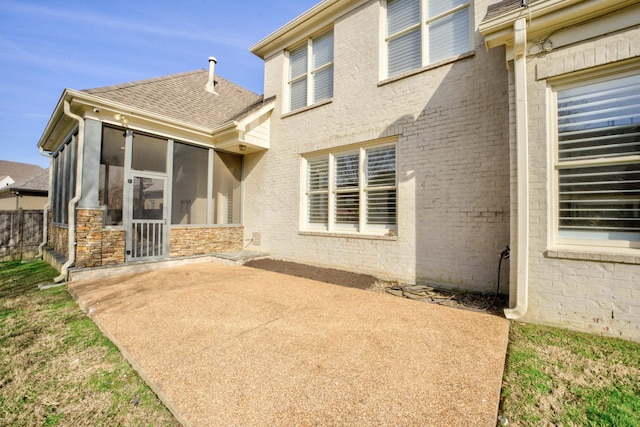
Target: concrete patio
{"type": "Point", "coordinates": [237, 346]}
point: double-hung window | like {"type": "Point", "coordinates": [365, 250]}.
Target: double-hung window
{"type": "Point", "coordinates": [352, 190]}
{"type": "Point", "coordinates": [597, 162]}
{"type": "Point", "coordinates": [311, 71]}
{"type": "Point", "coordinates": [423, 32]}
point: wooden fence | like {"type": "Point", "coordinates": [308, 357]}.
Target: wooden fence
{"type": "Point", "coordinates": [20, 234]}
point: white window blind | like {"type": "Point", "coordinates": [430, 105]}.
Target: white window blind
{"type": "Point", "coordinates": [317, 191]}
{"type": "Point", "coordinates": [311, 72]}
{"type": "Point", "coordinates": [599, 121]}
{"type": "Point", "coordinates": [421, 32]}
{"type": "Point", "coordinates": [353, 190]}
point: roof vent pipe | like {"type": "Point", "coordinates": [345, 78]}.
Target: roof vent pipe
{"type": "Point", "coordinates": [211, 82]}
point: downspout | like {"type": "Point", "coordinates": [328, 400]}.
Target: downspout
{"type": "Point", "coordinates": [522, 148]}
{"type": "Point", "coordinates": [64, 272]}
{"type": "Point", "coordinates": [45, 218]}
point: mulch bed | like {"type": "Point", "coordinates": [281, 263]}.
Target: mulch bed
{"type": "Point", "coordinates": [468, 301]}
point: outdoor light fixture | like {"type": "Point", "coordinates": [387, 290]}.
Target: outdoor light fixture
{"type": "Point", "coordinates": [242, 147]}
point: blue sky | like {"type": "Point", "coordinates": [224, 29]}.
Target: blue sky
{"type": "Point", "coordinates": [46, 46]}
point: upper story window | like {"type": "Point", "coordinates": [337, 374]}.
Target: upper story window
{"type": "Point", "coordinates": [423, 32]}
{"type": "Point", "coordinates": [311, 72]}
{"type": "Point", "coordinates": [351, 190]}
{"type": "Point", "coordinates": [597, 162]}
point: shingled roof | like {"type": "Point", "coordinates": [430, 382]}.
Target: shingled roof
{"type": "Point", "coordinates": [38, 183]}
{"type": "Point", "coordinates": [503, 7]}
{"type": "Point", "coordinates": [17, 171]}
{"type": "Point", "coordinates": [183, 97]}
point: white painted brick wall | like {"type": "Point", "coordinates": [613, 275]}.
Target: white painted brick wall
{"type": "Point", "coordinates": [581, 294]}
{"type": "Point", "coordinates": [453, 162]}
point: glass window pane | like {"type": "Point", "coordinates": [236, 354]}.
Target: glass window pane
{"type": "Point", "coordinates": [381, 207]}
{"type": "Point", "coordinates": [381, 166]}
{"type": "Point", "coordinates": [437, 7]}
{"type": "Point", "coordinates": [318, 174]}
{"type": "Point", "coordinates": [298, 94]}
{"type": "Point", "coordinates": [348, 207]}
{"type": "Point", "coordinates": [148, 198]}
{"type": "Point", "coordinates": [112, 174]}
{"type": "Point", "coordinates": [318, 208]}
{"type": "Point", "coordinates": [227, 175]}
{"type": "Point", "coordinates": [323, 84]}
{"type": "Point", "coordinates": [298, 62]}
{"type": "Point", "coordinates": [405, 53]}
{"type": "Point", "coordinates": [149, 153]}
{"type": "Point", "coordinates": [402, 14]}
{"type": "Point", "coordinates": [449, 36]}
{"type": "Point", "coordinates": [189, 192]}
{"type": "Point", "coordinates": [322, 49]}
{"type": "Point", "coordinates": [347, 166]}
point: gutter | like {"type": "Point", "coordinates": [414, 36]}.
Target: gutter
{"type": "Point", "coordinates": [45, 222]}
{"type": "Point", "coordinates": [522, 148]}
{"type": "Point", "coordinates": [64, 272]}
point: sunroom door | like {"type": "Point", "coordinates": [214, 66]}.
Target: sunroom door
{"type": "Point", "coordinates": [147, 234]}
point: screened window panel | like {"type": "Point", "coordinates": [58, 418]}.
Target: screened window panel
{"type": "Point", "coordinates": [402, 14]}
{"type": "Point", "coordinates": [347, 170]}
{"type": "Point", "coordinates": [149, 153]}
{"type": "Point", "coordinates": [381, 166]}
{"type": "Point", "coordinates": [449, 36]}
{"type": "Point", "coordinates": [600, 121]}
{"type": "Point", "coordinates": [437, 7]}
{"type": "Point", "coordinates": [404, 53]}
{"type": "Point", "coordinates": [322, 50]}
{"type": "Point", "coordinates": [381, 207]}
{"type": "Point", "coordinates": [298, 94]}
{"type": "Point", "coordinates": [227, 176]}
{"type": "Point", "coordinates": [189, 190]}
{"type": "Point", "coordinates": [348, 207]}
{"type": "Point", "coordinates": [112, 174]}
{"type": "Point", "coordinates": [298, 62]}
{"type": "Point", "coordinates": [323, 84]}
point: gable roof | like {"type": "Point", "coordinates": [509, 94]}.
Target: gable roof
{"type": "Point", "coordinates": [182, 97]}
{"type": "Point", "coordinates": [505, 6]}
{"type": "Point", "coordinates": [38, 183]}
{"type": "Point", "coordinates": [17, 171]}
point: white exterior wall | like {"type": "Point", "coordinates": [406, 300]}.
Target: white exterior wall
{"type": "Point", "coordinates": [452, 153]}
{"type": "Point", "coordinates": [594, 292]}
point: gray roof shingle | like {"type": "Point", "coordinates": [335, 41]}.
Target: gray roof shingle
{"type": "Point", "coordinates": [38, 182]}
{"type": "Point", "coordinates": [183, 97]}
{"type": "Point", "coordinates": [17, 171]}
{"type": "Point", "coordinates": [503, 7]}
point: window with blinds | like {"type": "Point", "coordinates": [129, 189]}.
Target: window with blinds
{"type": "Point", "coordinates": [353, 191]}
{"type": "Point", "coordinates": [422, 32]}
{"type": "Point", "coordinates": [311, 72]}
{"type": "Point", "coordinates": [599, 160]}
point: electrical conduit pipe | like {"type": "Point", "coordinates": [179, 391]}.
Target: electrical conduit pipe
{"type": "Point", "coordinates": [522, 148]}
{"type": "Point", "coordinates": [64, 272]}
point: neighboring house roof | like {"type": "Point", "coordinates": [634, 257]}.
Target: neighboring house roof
{"type": "Point", "coordinates": [183, 97]}
{"type": "Point", "coordinates": [17, 171]}
{"type": "Point", "coordinates": [38, 184]}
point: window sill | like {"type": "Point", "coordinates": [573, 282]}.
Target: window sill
{"type": "Point", "coordinates": [601, 255]}
{"type": "Point", "coordinates": [348, 235]}
{"type": "Point", "coordinates": [427, 68]}
{"type": "Point", "coordinates": [307, 108]}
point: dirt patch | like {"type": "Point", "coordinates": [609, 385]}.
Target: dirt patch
{"type": "Point", "coordinates": [327, 275]}
{"type": "Point", "coordinates": [488, 303]}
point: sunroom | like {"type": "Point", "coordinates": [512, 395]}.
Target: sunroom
{"type": "Point", "coordinates": [149, 170]}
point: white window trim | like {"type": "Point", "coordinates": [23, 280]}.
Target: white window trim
{"type": "Point", "coordinates": [362, 228]}
{"type": "Point", "coordinates": [309, 75]}
{"type": "Point", "coordinates": [580, 246]}
{"type": "Point", "coordinates": [424, 35]}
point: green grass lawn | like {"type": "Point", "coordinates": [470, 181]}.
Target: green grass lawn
{"type": "Point", "coordinates": [56, 367]}
{"type": "Point", "coordinates": [564, 378]}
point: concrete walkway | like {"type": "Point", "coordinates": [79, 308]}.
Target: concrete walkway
{"type": "Point", "coordinates": [235, 346]}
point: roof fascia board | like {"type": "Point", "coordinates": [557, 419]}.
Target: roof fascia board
{"type": "Point", "coordinates": [546, 17]}
{"type": "Point", "coordinates": [265, 109]}
{"type": "Point", "coordinates": [312, 20]}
